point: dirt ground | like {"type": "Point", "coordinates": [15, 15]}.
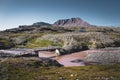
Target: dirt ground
{"type": "Point", "coordinates": [73, 59]}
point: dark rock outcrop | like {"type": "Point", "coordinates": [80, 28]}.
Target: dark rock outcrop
{"type": "Point", "coordinates": [50, 62]}
{"type": "Point", "coordinates": [73, 22]}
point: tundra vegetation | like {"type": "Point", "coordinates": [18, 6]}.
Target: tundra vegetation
{"type": "Point", "coordinates": [72, 39]}
{"type": "Point", "coordinates": [32, 69]}
{"type": "Point", "coordinates": [93, 37]}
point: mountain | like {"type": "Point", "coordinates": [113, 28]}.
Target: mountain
{"type": "Point", "coordinates": [37, 28]}
{"type": "Point", "coordinates": [73, 22]}
{"type": "Point", "coordinates": [41, 24]}
{"type": "Point", "coordinates": [37, 24]}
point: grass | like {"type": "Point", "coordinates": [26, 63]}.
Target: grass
{"type": "Point", "coordinates": [41, 43]}
{"type": "Point", "coordinates": [5, 43]}
{"type": "Point", "coordinates": [18, 69]}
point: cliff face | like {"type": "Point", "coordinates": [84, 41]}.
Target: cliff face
{"type": "Point", "coordinates": [73, 22]}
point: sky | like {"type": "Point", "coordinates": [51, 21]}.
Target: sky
{"type": "Point", "coordinates": [26, 12]}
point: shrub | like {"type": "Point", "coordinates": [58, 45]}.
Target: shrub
{"type": "Point", "coordinates": [5, 43]}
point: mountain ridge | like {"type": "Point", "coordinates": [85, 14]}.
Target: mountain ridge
{"type": "Point", "coordinates": [72, 22]}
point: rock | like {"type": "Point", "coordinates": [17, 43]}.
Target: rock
{"type": "Point", "coordinates": [77, 79]}
{"type": "Point", "coordinates": [104, 57]}
{"type": "Point", "coordinates": [62, 78]}
{"type": "Point", "coordinates": [20, 40]}
{"type": "Point", "coordinates": [71, 75]}
{"type": "Point", "coordinates": [50, 62]}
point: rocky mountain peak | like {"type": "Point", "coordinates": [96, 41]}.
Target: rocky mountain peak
{"type": "Point", "coordinates": [73, 22]}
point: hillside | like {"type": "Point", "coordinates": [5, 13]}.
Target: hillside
{"type": "Point", "coordinates": [42, 34]}
{"type": "Point", "coordinates": [77, 41]}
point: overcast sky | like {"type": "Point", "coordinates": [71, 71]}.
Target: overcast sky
{"type": "Point", "coordinates": [25, 12]}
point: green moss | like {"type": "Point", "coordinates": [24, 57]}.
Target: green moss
{"type": "Point", "coordinates": [41, 43]}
